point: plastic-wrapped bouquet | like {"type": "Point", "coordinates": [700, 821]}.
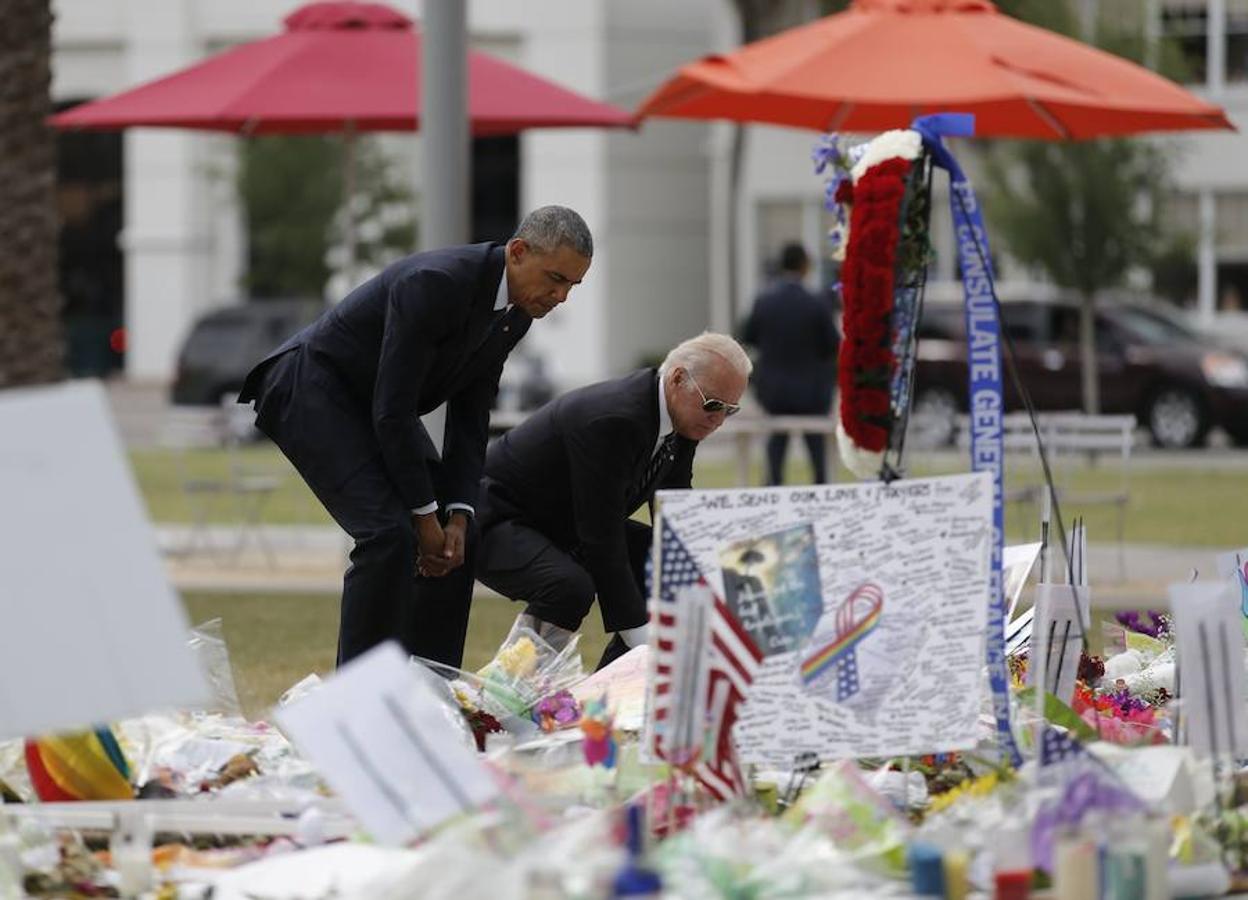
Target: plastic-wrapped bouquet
{"type": "Point", "coordinates": [527, 669]}
{"type": "Point", "coordinates": [507, 693]}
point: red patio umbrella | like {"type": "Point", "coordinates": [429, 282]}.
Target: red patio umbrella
{"type": "Point", "coordinates": [338, 66]}
{"type": "Point", "coordinates": [881, 63]}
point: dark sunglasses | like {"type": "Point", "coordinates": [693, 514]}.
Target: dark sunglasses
{"type": "Point", "coordinates": [712, 405]}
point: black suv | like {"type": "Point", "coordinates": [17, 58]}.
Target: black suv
{"type": "Point", "coordinates": [223, 346]}
{"type": "Point", "coordinates": [1176, 381]}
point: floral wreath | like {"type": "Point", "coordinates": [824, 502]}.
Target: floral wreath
{"type": "Point", "coordinates": [880, 236]}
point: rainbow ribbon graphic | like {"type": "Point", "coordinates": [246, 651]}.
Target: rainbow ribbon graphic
{"type": "Point", "coordinates": [856, 618]}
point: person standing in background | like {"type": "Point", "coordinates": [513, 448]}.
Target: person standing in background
{"type": "Point", "coordinates": [795, 335]}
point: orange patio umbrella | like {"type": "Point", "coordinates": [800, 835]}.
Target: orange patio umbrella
{"type": "Point", "coordinates": [882, 63]}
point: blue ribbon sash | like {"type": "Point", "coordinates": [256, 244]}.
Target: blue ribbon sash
{"type": "Point", "coordinates": [983, 338]}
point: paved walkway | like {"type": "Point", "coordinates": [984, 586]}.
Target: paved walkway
{"type": "Point", "coordinates": [312, 559]}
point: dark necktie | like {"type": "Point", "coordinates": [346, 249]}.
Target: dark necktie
{"type": "Point", "coordinates": [656, 469]}
{"type": "Point", "coordinates": [506, 328]}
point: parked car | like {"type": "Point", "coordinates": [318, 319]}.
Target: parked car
{"type": "Point", "coordinates": [223, 345]}
{"type": "Point", "coordinates": [1179, 384]}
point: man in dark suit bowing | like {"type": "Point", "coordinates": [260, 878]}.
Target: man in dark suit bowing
{"type": "Point", "coordinates": [342, 398]}
{"type": "Point", "coordinates": [559, 488]}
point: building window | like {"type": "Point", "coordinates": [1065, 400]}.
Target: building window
{"type": "Point", "coordinates": [1236, 40]}
{"type": "Point", "coordinates": [495, 187]}
{"type": "Point", "coordinates": [1232, 223]}
{"type": "Point", "coordinates": [1232, 287]}
{"type": "Point", "coordinates": [1186, 22]}
{"type": "Point", "coordinates": [779, 222]}
{"type": "Point", "coordinates": [1180, 214]}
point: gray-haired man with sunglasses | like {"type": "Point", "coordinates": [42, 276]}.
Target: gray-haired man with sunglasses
{"type": "Point", "coordinates": [559, 489]}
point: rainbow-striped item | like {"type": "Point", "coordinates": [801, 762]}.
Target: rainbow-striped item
{"type": "Point", "coordinates": [823, 659]}
{"type": "Point", "coordinates": [84, 765]}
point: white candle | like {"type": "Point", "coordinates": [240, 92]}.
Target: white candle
{"type": "Point", "coordinates": [1075, 873]}
{"type": "Point", "coordinates": [134, 869]}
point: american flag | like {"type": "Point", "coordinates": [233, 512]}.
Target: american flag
{"type": "Point", "coordinates": [1058, 747]}
{"type": "Point", "coordinates": [682, 631]}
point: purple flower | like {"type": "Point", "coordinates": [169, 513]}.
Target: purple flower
{"type": "Point", "coordinates": [1125, 703]}
{"type": "Point", "coordinates": [827, 152]}
{"type": "Point", "coordinates": [830, 203]}
{"type": "Point", "coordinates": [560, 707]}
{"type": "Point", "coordinates": [1091, 791]}
{"type": "Point", "coordinates": [1155, 627]}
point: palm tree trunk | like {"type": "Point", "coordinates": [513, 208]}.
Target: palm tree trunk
{"type": "Point", "coordinates": [32, 345]}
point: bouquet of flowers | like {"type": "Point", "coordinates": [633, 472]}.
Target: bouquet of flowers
{"type": "Point", "coordinates": [1118, 717]}
{"type": "Point", "coordinates": [527, 669]}
{"type": "Point", "coordinates": [525, 686]}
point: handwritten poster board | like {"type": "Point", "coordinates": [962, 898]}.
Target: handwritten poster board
{"type": "Point", "coordinates": [869, 601]}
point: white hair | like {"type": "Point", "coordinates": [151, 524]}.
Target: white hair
{"type": "Point", "coordinates": [699, 355]}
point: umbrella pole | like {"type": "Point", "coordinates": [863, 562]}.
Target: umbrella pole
{"type": "Point", "coordinates": [348, 206]}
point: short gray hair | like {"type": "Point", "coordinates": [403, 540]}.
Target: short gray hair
{"type": "Point", "coordinates": [548, 228]}
{"type": "Point", "coordinates": [702, 353]}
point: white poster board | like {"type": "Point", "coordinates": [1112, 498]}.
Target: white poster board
{"type": "Point", "coordinates": [1057, 639]}
{"type": "Point", "coordinates": [870, 602]}
{"type": "Point", "coordinates": [376, 734]}
{"type": "Point", "coordinates": [1233, 567]}
{"type": "Point", "coordinates": [1211, 667]}
{"type": "Point", "coordinates": [91, 629]}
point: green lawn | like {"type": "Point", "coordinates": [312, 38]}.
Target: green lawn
{"type": "Point", "coordinates": [1170, 504]}
{"type": "Point", "coordinates": [275, 640]}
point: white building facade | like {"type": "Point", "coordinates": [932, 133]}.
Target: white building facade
{"type": "Point", "coordinates": [644, 194]}
{"type": "Point", "coordinates": [657, 199]}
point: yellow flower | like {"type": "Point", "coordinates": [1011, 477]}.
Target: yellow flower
{"type": "Point", "coordinates": [519, 660]}
{"type": "Point", "coordinates": [462, 698]}
{"type": "Point", "coordinates": [978, 787]}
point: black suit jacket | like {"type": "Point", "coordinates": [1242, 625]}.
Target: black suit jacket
{"type": "Point", "coordinates": [421, 333]}
{"type": "Point", "coordinates": [570, 471]}
{"type": "Point", "coordinates": [796, 338]}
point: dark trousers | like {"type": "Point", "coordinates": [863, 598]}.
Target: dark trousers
{"type": "Point", "coordinates": [554, 586]}
{"type": "Point", "coordinates": [382, 596]}
{"type": "Point", "coordinates": [778, 445]}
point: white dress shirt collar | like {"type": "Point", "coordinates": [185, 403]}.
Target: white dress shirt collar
{"type": "Point", "coordinates": [502, 298]}
{"type": "Point", "coordinates": [665, 418]}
